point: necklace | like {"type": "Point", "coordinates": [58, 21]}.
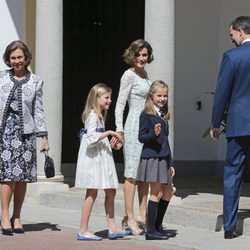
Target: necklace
{"type": "Point", "coordinates": [19, 78]}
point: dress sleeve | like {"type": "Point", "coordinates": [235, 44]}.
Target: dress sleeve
{"type": "Point", "coordinates": [92, 137]}
{"type": "Point", "coordinates": [125, 88]}
{"type": "Point", "coordinates": [39, 116]}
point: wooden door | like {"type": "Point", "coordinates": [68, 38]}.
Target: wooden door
{"type": "Point", "coordinates": [96, 33]}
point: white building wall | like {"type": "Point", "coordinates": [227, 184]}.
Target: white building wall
{"type": "Point", "coordinates": [196, 65]}
{"type": "Point", "coordinates": [12, 24]}
{"type": "Point", "coordinates": [202, 35]}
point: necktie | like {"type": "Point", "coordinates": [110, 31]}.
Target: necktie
{"type": "Point", "coordinates": [161, 113]}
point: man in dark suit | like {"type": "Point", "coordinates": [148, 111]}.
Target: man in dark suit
{"type": "Point", "coordinates": [233, 96]}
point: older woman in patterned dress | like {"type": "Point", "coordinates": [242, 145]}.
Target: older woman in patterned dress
{"type": "Point", "coordinates": [21, 121]}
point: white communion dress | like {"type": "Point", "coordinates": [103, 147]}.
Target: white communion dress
{"type": "Point", "coordinates": [95, 164]}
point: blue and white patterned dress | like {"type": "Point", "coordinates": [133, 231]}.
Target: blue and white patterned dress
{"type": "Point", "coordinates": [21, 121]}
{"type": "Point", "coordinates": [134, 90]}
{"type": "Point", "coordinates": [18, 152]}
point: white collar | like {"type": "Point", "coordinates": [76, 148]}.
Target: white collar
{"type": "Point", "coordinates": [246, 40]}
{"type": "Point", "coordinates": [158, 111]}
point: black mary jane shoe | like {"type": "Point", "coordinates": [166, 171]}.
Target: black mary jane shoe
{"type": "Point", "coordinates": [7, 231]}
{"type": "Point", "coordinates": [155, 236]}
{"type": "Point", "coordinates": [18, 230]}
{"type": "Point", "coordinates": [230, 235]}
{"type": "Point", "coordinates": [169, 233]}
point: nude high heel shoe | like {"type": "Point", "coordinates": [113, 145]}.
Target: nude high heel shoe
{"type": "Point", "coordinates": [125, 223]}
{"type": "Point", "coordinates": [133, 227]}
{"type": "Point", "coordinates": [141, 223]}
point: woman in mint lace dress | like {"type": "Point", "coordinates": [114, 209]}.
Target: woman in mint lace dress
{"type": "Point", "coordinates": [134, 87]}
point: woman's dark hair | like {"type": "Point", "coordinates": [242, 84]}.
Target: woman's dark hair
{"type": "Point", "coordinates": [12, 47]}
{"type": "Point", "coordinates": [133, 50]}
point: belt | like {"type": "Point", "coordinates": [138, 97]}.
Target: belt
{"type": "Point", "coordinates": [84, 131]}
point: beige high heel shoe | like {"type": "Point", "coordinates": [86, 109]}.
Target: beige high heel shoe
{"type": "Point", "coordinates": [133, 227]}
{"type": "Point", "coordinates": [141, 223]}
{"type": "Point", "coordinates": [125, 223]}
{"type": "Point", "coordinates": [174, 190]}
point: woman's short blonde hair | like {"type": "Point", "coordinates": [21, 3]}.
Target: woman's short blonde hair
{"type": "Point", "coordinates": [133, 50]}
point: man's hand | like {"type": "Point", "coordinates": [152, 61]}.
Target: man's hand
{"type": "Point", "coordinates": [215, 133]}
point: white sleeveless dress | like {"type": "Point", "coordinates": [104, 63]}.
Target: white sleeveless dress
{"type": "Point", "coordinates": [95, 164]}
{"type": "Point", "coordinates": [134, 90]}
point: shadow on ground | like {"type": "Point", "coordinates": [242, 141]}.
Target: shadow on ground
{"type": "Point", "coordinates": [242, 215]}
{"type": "Point", "coordinates": [170, 232]}
{"type": "Point", "coordinates": [40, 227]}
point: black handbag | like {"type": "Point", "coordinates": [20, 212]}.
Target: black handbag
{"type": "Point", "coordinates": [49, 167]}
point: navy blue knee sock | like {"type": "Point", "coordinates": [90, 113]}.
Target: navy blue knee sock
{"type": "Point", "coordinates": [162, 207]}
{"type": "Point", "coordinates": [152, 211]}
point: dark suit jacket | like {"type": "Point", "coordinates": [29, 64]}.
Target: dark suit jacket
{"type": "Point", "coordinates": [154, 146]}
{"type": "Point", "coordinates": [233, 89]}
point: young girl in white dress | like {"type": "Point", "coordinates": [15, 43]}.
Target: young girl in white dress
{"type": "Point", "coordinates": [95, 164]}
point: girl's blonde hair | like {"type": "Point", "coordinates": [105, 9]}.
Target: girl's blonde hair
{"type": "Point", "coordinates": [91, 103]}
{"type": "Point", "coordinates": [149, 104]}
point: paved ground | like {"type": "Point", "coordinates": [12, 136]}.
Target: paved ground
{"type": "Point", "coordinates": [56, 227]}
{"type": "Point", "coordinates": [65, 239]}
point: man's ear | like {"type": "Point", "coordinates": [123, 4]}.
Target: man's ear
{"type": "Point", "coordinates": [241, 31]}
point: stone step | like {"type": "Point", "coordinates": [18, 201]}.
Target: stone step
{"type": "Point", "coordinates": [179, 212]}
{"type": "Point", "coordinates": [176, 214]}
{"type": "Point", "coordinates": [190, 207]}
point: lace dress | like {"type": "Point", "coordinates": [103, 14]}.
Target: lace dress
{"type": "Point", "coordinates": [134, 90]}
